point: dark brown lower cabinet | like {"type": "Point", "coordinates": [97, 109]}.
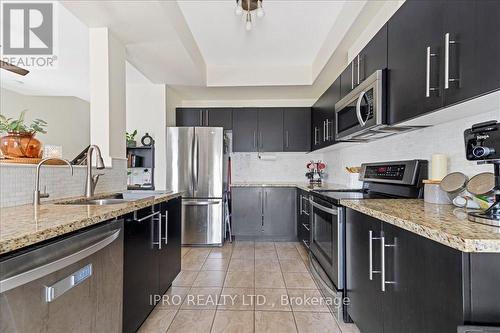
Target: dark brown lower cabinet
{"type": "Point", "coordinates": [429, 287]}
{"type": "Point", "coordinates": [151, 260]}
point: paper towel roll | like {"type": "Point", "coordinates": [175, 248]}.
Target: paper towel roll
{"type": "Point", "coordinates": [439, 166]}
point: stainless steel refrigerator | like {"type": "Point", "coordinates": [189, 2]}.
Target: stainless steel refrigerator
{"type": "Point", "coordinates": [195, 167]}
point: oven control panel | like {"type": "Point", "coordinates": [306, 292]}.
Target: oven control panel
{"type": "Point", "coordinates": [408, 172]}
{"type": "Point", "coordinates": [394, 172]}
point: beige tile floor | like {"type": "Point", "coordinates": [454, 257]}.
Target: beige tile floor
{"type": "Point", "coordinates": [232, 275]}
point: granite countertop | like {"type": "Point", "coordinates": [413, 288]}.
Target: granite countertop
{"type": "Point", "coordinates": [445, 224]}
{"type": "Point", "coordinates": [301, 185]}
{"type": "Point", "coordinates": [21, 226]}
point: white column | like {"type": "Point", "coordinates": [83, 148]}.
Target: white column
{"type": "Point", "coordinates": [107, 94]}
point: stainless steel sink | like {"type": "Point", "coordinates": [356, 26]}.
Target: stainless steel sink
{"type": "Point", "coordinates": [112, 199]}
{"type": "Point", "coordinates": [95, 202]}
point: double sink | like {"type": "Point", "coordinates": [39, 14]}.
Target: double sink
{"type": "Point", "coordinates": [112, 199]}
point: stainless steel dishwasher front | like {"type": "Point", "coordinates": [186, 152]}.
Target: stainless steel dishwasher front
{"type": "Point", "coordinates": [72, 284]}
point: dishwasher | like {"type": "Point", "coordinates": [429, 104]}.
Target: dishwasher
{"type": "Point", "coordinates": [71, 284]}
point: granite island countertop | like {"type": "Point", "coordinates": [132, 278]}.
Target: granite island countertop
{"type": "Point", "coordinates": [445, 224]}
{"type": "Point", "coordinates": [22, 226]}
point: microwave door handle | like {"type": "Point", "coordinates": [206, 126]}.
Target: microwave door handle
{"type": "Point", "coordinates": [358, 109]}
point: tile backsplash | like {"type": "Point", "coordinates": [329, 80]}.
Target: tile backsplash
{"type": "Point", "coordinates": [277, 167]}
{"type": "Point", "coordinates": [446, 138]}
{"type": "Point", "coordinates": [17, 182]}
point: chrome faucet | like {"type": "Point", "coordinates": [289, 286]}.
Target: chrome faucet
{"type": "Point", "coordinates": [91, 182]}
{"type": "Point", "coordinates": [36, 194]}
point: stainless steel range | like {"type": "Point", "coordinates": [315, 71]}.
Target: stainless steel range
{"type": "Point", "coordinates": [396, 179]}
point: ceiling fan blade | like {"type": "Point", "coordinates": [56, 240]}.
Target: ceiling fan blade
{"type": "Point", "coordinates": [13, 69]}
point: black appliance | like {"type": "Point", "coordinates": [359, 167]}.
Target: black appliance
{"type": "Point", "coordinates": [396, 179]}
{"type": "Point", "coordinates": [482, 144]}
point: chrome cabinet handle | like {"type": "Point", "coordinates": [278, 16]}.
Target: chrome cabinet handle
{"type": "Point", "coordinates": [254, 139]}
{"type": "Point", "coordinates": [358, 68]}
{"type": "Point", "coordinates": [325, 209]}
{"type": "Point", "coordinates": [165, 216]}
{"type": "Point", "coordinates": [300, 204]}
{"type": "Point", "coordinates": [201, 118]}
{"type": "Point", "coordinates": [352, 75]}
{"type": "Point", "coordinates": [306, 209]}
{"type": "Point", "coordinates": [370, 254]}
{"type": "Point", "coordinates": [358, 109]}
{"type": "Point", "coordinates": [316, 130]}
{"type": "Point", "coordinates": [324, 130]}
{"type": "Point", "coordinates": [261, 144]}
{"type": "Point", "coordinates": [145, 217]}
{"type": "Point", "coordinates": [382, 264]}
{"type": "Point", "coordinates": [306, 227]}
{"type": "Point", "coordinates": [287, 139]}
{"type": "Point", "coordinates": [206, 113]}
{"type": "Point", "coordinates": [306, 244]}
{"type": "Point", "coordinates": [428, 87]}
{"type": "Point", "coordinates": [159, 229]}
{"type": "Point", "coordinates": [447, 78]}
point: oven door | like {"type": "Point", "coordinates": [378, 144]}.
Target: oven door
{"type": "Point", "coordinates": [327, 238]}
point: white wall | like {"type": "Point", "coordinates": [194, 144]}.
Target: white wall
{"type": "Point", "coordinates": [174, 100]}
{"type": "Point", "coordinates": [146, 112]}
{"type": "Point", "coordinates": [107, 94]}
{"type": "Point", "coordinates": [68, 118]}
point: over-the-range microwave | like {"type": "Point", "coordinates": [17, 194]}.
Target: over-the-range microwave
{"type": "Point", "coordinates": [362, 114]}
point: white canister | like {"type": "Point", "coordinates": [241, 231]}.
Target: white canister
{"type": "Point", "coordinates": [435, 195]}
{"type": "Point", "coordinates": [439, 166]}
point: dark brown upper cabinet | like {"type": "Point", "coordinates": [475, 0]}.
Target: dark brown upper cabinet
{"type": "Point", "coordinates": [441, 53]}
{"type": "Point", "coordinates": [297, 129]}
{"type": "Point", "coordinates": [323, 117]}
{"type": "Point", "coordinates": [414, 53]}
{"type": "Point", "coordinates": [205, 117]}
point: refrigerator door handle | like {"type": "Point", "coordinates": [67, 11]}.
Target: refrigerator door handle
{"type": "Point", "coordinates": [194, 167]}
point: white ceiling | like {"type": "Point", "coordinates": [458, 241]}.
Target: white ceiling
{"type": "Point", "coordinates": [202, 49]}
{"type": "Point", "coordinates": [291, 32]}
{"type": "Point", "coordinates": [70, 76]}
{"type": "Point", "coordinates": [203, 43]}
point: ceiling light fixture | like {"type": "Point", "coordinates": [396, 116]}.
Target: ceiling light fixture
{"type": "Point", "coordinates": [248, 7]}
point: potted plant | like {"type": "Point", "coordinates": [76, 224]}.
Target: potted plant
{"type": "Point", "coordinates": [131, 139]}
{"type": "Point", "coordinates": [20, 140]}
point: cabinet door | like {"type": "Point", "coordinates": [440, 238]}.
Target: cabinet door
{"type": "Point", "coordinates": [245, 129]}
{"type": "Point", "coordinates": [246, 213]}
{"type": "Point", "coordinates": [317, 128]}
{"type": "Point", "coordinates": [487, 36]}
{"type": "Point", "coordinates": [189, 117]}
{"type": "Point", "coordinates": [140, 270]}
{"type": "Point", "coordinates": [347, 80]}
{"type": "Point", "coordinates": [220, 117]}
{"type": "Point", "coordinates": [170, 258]}
{"type": "Point", "coordinates": [324, 116]}
{"type": "Point", "coordinates": [297, 129]}
{"type": "Point", "coordinates": [365, 307]}
{"type": "Point", "coordinates": [403, 262]}
{"type": "Point", "coordinates": [279, 213]}
{"type": "Point", "coordinates": [303, 223]}
{"type": "Point", "coordinates": [270, 129]}
{"type": "Point", "coordinates": [414, 28]}
{"type": "Point", "coordinates": [461, 63]}
{"type": "Point", "coordinates": [424, 293]}
{"type": "Point", "coordinates": [373, 56]}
